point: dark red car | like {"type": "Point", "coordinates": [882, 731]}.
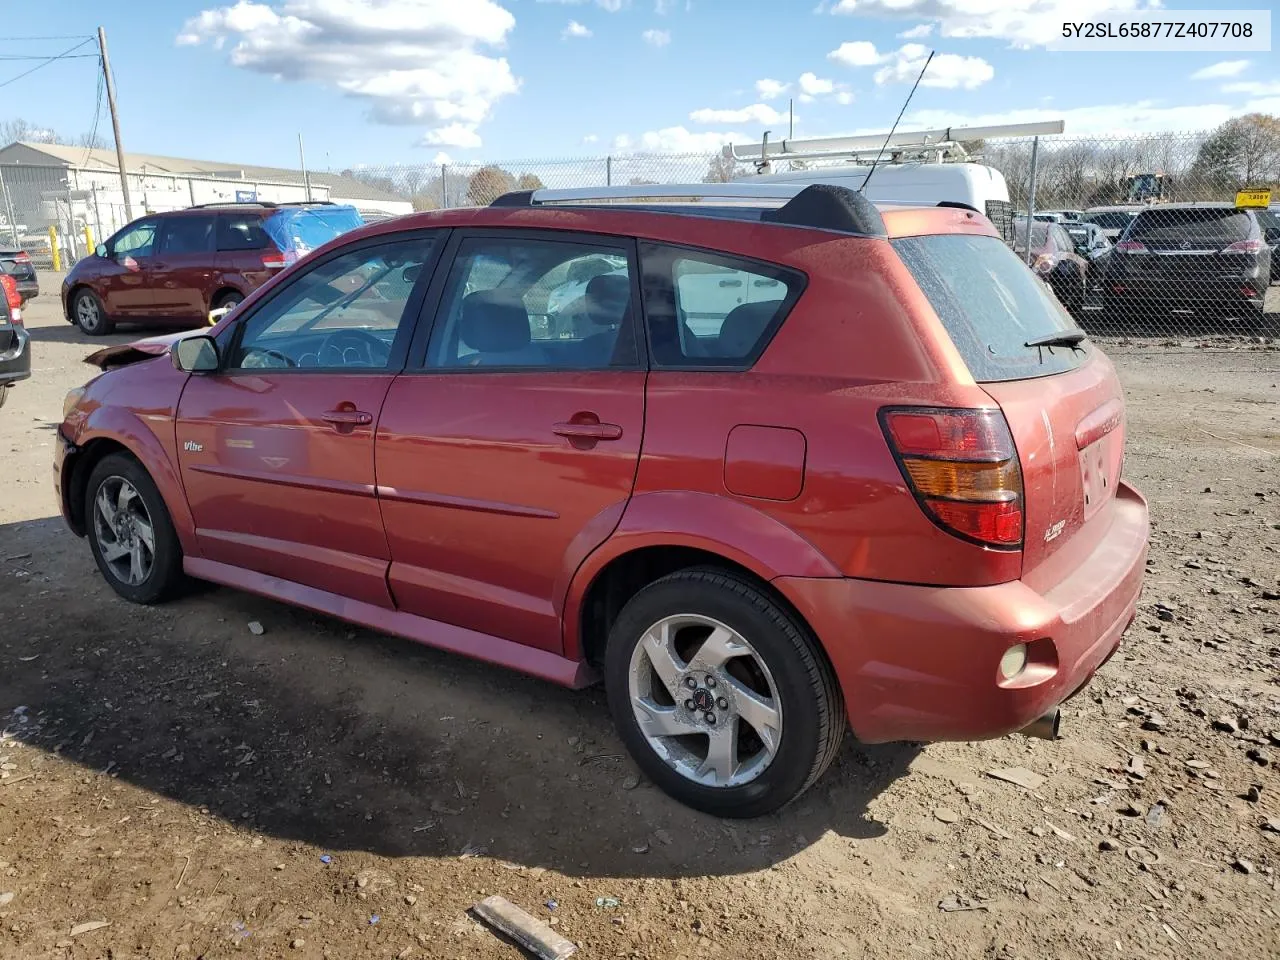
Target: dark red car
{"type": "Point", "coordinates": [173, 269]}
{"type": "Point", "coordinates": [791, 469]}
{"type": "Point", "coordinates": [1055, 260]}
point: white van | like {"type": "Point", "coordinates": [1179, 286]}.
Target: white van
{"type": "Point", "coordinates": [978, 186]}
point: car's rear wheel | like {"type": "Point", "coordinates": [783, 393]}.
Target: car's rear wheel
{"type": "Point", "coordinates": [722, 697]}
{"type": "Point", "coordinates": [130, 531]}
{"type": "Point", "coordinates": [231, 299]}
{"type": "Point", "coordinates": [90, 315]}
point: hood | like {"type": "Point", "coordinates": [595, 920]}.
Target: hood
{"type": "Point", "coordinates": [123, 354]}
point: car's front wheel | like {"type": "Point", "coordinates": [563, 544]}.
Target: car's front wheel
{"type": "Point", "coordinates": [722, 697]}
{"type": "Point", "coordinates": [89, 314]}
{"type": "Point", "coordinates": [130, 531]}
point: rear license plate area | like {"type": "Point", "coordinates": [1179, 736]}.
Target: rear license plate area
{"type": "Point", "coordinates": [1099, 466]}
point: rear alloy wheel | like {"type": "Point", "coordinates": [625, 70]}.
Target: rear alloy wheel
{"type": "Point", "coordinates": [721, 697]}
{"type": "Point", "coordinates": [231, 300]}
{"type": "Point", "coordinates": [89, 314]}
{"type": "Point", "coordinates": [130, 532]}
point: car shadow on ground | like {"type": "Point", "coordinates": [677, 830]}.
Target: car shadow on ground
{"type": "Point", "coordinates": [348, 740]}
{"type": "Point", "coordinates": [70, 333]}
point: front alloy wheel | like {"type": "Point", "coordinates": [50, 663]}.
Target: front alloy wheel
{"type": "Point", "coordinates": [126, 536]}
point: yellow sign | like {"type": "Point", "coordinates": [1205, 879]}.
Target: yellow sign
{"type": "Point", "coordinates": [1253, 198]}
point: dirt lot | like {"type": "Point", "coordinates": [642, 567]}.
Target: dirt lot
{"type": "Point", "coordinates": [320, 791]}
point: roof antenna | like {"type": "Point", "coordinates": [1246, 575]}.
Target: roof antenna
{"type": "Point", "coordinates": [906, 103]}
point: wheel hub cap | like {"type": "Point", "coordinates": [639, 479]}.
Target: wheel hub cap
{"type": "Point", "coordinates": [705, 701]}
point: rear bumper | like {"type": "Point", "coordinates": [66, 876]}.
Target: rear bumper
{"type": "Point", "coordinates": [28, 289]}
{"type": "Point", "coordinates": [1122, 291]}
{"type": "Point", "coordinates": [922, 663]}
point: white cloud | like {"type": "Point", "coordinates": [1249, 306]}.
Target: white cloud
{"type": "Point", "coordinates": [844, 98]}
{"type": "Point", "coordinates": [412, 61]}
{"type": "Point", "coordinates": [677, 140]}
{"type": "Point", "coordinates": [663, 7]}
{"type": "Point", "coordinates": [441, 158]}
{"type": "Point", "coordinates": [1254, 88]}
{"type": "Point", "coordinates": [575, 29]}
{"type": "Point", "coordinates": [1026, 23]}
{"type": "Point", "coordinates": [657, 38]}
{"type": "Point", "coordinates": [1221, 70]}
{"type": "Point", "coordinates": [453, 135]}
{"type": "Point", "coordinates": [771, 89]}
{"type": "Point", "coordinates": [590, 138]}
{"type": "Point", "coordinates": [856, 53]}
{"type": "Point", "coordinates": [946, 70]}
{"type": "Point", "coordinates": [816, 86]}
{"type": "Point", "coordinates": [917, 32]}
{"type": "Point", "coordinates": [756, 113]}
{"type": "Point", "coordinates": [612, 6]}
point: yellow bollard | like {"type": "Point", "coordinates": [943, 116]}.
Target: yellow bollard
{"type": "Point", "coordinates": [88, 239]}
{"type": "Point", "coordinates": [53, 248]}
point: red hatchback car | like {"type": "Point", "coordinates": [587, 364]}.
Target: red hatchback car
{"type": "Point", "coordinates": [772, 469]}
{"type": "Point", "coordinates": [173, 268]}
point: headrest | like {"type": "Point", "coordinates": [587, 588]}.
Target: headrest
{"type": "Point", "coordinates": [494, 322]}
{"type": "Point", "coordinates": [742, 326]}
{"type": "Point", "coordinates": [607, 296]}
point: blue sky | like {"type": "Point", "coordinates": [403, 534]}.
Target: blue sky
{"type": "Point", "coordinates": [395, 81]}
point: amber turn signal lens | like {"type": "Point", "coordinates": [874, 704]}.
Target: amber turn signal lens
{"type": "Point", "coordinates": [960, 480]}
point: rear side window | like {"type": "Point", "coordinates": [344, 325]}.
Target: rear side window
{"type": "Point", "coordinates": [187, 234]}
{"type": "Point", "coordinates": [709, 310]}
{"type": "Point", "coordinates": [241, 231]}
{"type": "Point", "coordinates": [991, 305]}
{"type": "Point", "coordinates": [1213, 227]}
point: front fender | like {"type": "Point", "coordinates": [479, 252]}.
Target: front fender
{"type": "Point", "coordinates": [726, 527]}
{"type": "Point", "coordinates": [148, 433]}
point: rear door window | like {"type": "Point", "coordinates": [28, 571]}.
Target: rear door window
{"type": "Point", "coordinates": [186, 234]}
{"type": "Point", "coordinates": [991, 305]}
{"type": "Point", "coordinates": [710, 310]}
{"type": "Point", "coordinates": [241, 231]}
{"type": "Point", "coordinates": [1203, 228]}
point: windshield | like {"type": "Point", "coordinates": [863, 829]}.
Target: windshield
{"type": "Point", "coordinates": [1211, 227]}
{"type": "Point", "coordinates": [299, 230]}
{"type": "Point", "coordinates": [1039, 234]}
{"type": "Point", "coordinates": [991, 305]}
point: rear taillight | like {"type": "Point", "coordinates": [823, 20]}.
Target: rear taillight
{"type": "Point", "coordinates": [963, 469]}
{"type": "Point", "coordinates": [1244, 246]}
{"type": "Point", "coordinates": [1043, 264]}
{"type": "Point", "coordinates": [1131, 246]}
{"type": "Point", "coordinates": [22, 257]}
{"type": "Point", "coordinates": [11, 297]}
{"type": "Point", "coordinates": [275, 260]}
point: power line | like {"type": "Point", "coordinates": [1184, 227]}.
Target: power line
{"type": "Point", "coordinates": [45, 63]}
{"type": "Point", "coordinates": [97, 116]}
{"type": "Point", "coordinates": [67, 36]}
{"type": "Point", "coordinates": [74, 56]}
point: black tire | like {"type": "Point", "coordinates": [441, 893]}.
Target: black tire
{"type": "Point", "coordinates": [231, 299]}
{"type": "Point", "coordinates": [93, 319]}
{"type": "Point", "coordinates": [811, 702]}
{"type": "Point", "coordinates": [165, 576]}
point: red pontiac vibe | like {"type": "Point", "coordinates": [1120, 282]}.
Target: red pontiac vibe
{"type": "Point", "coordinates": [770, 469]}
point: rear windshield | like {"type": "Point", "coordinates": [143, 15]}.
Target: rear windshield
{"type": "Point", "coordinates": [1214, 226]}
{"type": "Point", "coordinates": [301, 229]}
{"type": "Point", "coordinates": [991, 305]}
{"type": "Point", "coordinates": [1039, 234]}
{"type": "Point", "coordinates": [1109, 221]}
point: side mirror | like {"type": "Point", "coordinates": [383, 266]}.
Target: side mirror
{"type": "Point", "coordinates": [100, 251]}
{"type": "Point", "coordinates": [195, 355]}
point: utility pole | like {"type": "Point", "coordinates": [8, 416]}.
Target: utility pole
{"type": "Point", "coordinates": [115, 122]}
{"type": "Point", "coordinates": [791, 125]}
{"type": "Point", "coordinates": [302, 158]}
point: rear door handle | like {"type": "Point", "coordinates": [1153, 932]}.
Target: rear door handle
{"type": "Point", "coordinates": [588, 431]}
{"type": "Point", "coordinates": [347, 418]}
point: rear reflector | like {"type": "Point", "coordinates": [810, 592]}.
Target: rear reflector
{"type": "Point", "coordinates": [1244, 246]}
{"type": "Point", "coordinates": [1131, 246]}
{"type": "Point", "coordinates": [963, 469]}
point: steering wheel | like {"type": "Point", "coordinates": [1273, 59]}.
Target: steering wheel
{"type": "Point", "coordinates": [375, 351]}
{"type": "Point", "coordinates": [255, 358]}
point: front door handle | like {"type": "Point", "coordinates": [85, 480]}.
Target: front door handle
{"type": "Point", "coordinates": [346, 419]}
{"type": "Point", "coordinates": [588, 431]}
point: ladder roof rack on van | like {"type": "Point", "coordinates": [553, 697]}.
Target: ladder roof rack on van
{"type": "Point", "coordinates": [819, 206]}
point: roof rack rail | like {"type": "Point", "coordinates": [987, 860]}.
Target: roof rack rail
{"type": "Point", "coordinates": [232, 203]}
{"type": "Point", "coordinates": [820, 205]}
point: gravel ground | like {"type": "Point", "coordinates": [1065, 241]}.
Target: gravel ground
{"type": "Point", "coordinates": [187, 788]}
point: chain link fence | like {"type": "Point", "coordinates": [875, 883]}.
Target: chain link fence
{"type": "Point", "coordinates": [1138, 237]}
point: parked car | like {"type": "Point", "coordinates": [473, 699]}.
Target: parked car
{"type": "Point", "coordinates": [15, 349]}
{"type": "Point", "coordinates": [1055, 260]}
{"type": "Point", "coordinates": [1269, 220]}
{"type": "Point", "coordinates": [1058, 216]}
{"type": "Point", "coordinates": [172, 269]}
{"type": "Point", "coordinates": [1112, 220]}
{"type": "Point", "coordinates": [1206, 257]}
{"type": "Point", "coordinates": [862, 519]}
{"type": "Point", "coordinates": [16, 263]}
{"type": "Point", "coordinates": [1090, 241]}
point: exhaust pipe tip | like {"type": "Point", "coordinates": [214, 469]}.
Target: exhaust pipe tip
{"type": "Point", "coordinates": [1045, 727]}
